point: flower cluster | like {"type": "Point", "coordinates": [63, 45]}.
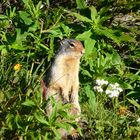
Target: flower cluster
{"type": "Point", "coordinates": [112, 90]}
{"type": "Point", "coordinates": [100, 84]}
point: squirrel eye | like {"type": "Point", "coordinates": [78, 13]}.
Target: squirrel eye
{"type": "Point", "coordinates": [72, 45]}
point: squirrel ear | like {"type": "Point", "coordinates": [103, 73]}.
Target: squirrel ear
{"type": "Point", "coordinates": [61, 43]}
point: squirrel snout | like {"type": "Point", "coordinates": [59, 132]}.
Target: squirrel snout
{"type": "Point", "coordinates": [83, 51]}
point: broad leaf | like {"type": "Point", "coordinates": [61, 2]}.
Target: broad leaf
{"type": "Point", "coordinates": [81, 18]}
{"type": "Point", "coordinates": [85, 35]}
{"type": "Point", "coordinates": [109, 33]}
{"type": "Point", "coordinates": [57, 134]}
{"type": "Point", "coordinates": [41, 118]}
{"type": "Point", "coordinates": [116, 59]}
{"type": "Point", "coordinates": [93, 13]}
{"type": "Point", "coordinates": [81, 4]}
{"type": "Point", "coordinates": [29, 103]}
{"type": "Point", "coordinates": [86, 72]}
{"type": "Point", "coordinates": [92, 99]}
{"type": "Point", "coordinates": [133, 102]}
{"type": "Point", "coordinates": [25, 17]}
{"type": "Point", "coordinates": [18, 46]}
{"type": "Point", "coordinates": [89, 45]}
{"type": "Point", "coordinates": [3, 16]}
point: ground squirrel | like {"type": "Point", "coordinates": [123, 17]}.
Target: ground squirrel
{"type": "Point", "coordinates": [62, 80]}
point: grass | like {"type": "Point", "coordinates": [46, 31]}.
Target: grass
{"type": "Point", "coordinates": [29, 37]}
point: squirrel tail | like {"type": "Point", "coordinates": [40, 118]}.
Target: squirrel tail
{"type": "Point", "coordinates": [44, 89]}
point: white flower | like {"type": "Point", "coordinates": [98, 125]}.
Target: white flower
{"type": "Point", "coordinates": [98, 88]}
{"type": "Point", "coordinates": [120, 89]}
{"type": "Point", "coordinates": [105, 82]}
{"type": "Point", "coordinates": [112, 86]}
{"type": "Point", "coordinates": [98, 82]}
{"type": "Point", "coordinates": [114, 93]}
{"type": "Point", "coordinates": [108, 91]}
{"type": "Point", "coordinates": [116, 86]}
{"type": "Point", "coordinates": [138, 120]}
{"type": "Point", "coordinates": [113, 90]}
{"type": "Point", "coordinates": [101, 82]}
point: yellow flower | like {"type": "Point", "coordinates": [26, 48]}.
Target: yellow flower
{"type": "Point", "coordinates": [17, 67]}
{"type": "Point", "coordinates": [122, 111]}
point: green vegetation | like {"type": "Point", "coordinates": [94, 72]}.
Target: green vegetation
{"type": "Point", "coordinates": [109, 94]}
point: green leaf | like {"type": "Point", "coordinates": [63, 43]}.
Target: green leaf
{"type": "Point", "coordinates": [89, 45]}
{"type": "Point", "coordinates": [64, 125]}
{"type": "Point", "coordinates": [81, 18]}
{"type": "Point", "coordinates": [38, 6]}
{"type": "Point", "coordinates": [41, 118]}
{"type": "Point", "coordinates": [25, 17]}
{"type": "Point", "coordinates": [10, 120]}
{"type": "Point", "coordinates": [93, 13]}
{"type": "Point", "coordinates": [3, 16]}
{"type": "Point", "coordinates": [92, 99]}
{"type": "Point", "coordinates": [103, 19]}
{"type": "Point", "coordinates": [66, 29]}
{"type": "Point", "coordinates": [17, 46]}
{"type": "Point", "coordinates": [53, 115]}
{"type": "Point", "coordinates": [20, 36]}
{"type": "Point", "coordinates": [63, 113]}
{"type": "Point", "coordinates": [116, 59]}
{"type": "Point", "coordinates": [85, 35]}
{"type": "Point", "coordinates": [86, 72]}
{"type": "Point", "coordinates": [29, 103]}
{"type": "Point", "coordinates": [133, 102]}
{"type": "Point", "coordinates": [34, 27]}
{"type": "Point", "coordinates": [81, 4]}
{"type": "Point", "coordinates": [126, 85]}
{"type": "Point", "coordinates": [1, 96]}
{"type": "Point", "coordinates": [127, 38]}
{"type": "Point", "coordinates": [18, 120]}
{"type": "Point", "coordinates": [57, 134]}
{"type": "Point", "coordinates": [109, 33]}
{"type": "Point", "coordinates": [2, 47]}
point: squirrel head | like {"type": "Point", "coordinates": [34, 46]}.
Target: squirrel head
{"type": "Point", "coordinates": [71, 47]}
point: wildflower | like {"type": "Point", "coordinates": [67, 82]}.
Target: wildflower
{"type": "Point", "coordinates": [108, 91]}
{"type": "Point", "coordinates": [113, 90]}
{"type": "Point", "coordinates": [114, 93]}
{"type": "Point", "coordinates": [120, 89]}
{"type": "Point", "coordinates": [98, 88]}
{"type": "Point", "coordinates": [122, 110]}
{"type": "Point", "coordinates": [116, 86]}
{"type": "Point", "coordinates": [101, 82]}
{"type": "Point", "coordinates": [17, 67]}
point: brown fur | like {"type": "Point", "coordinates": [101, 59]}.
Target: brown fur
{"type": "Point", "coordinates": [63, 75]}
{"type": "Point", "coordinates": [62, 81]}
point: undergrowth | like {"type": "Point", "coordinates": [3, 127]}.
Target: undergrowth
{"type": "Point", "coordinates": [30, 32]}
